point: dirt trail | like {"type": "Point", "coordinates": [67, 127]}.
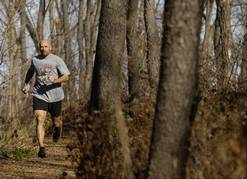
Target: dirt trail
{"type": "Point", "coordinates": [57, 164]}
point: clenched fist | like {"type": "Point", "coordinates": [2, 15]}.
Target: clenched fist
{"type": "Point", "coordinates": [52, 79]}
{"type": "Point", "coordinates": [26, 88]}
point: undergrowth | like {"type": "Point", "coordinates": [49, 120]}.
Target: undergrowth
{"type": "Point", "coordinates": [16, 153]}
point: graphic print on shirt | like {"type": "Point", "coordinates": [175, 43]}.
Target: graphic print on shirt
{"type": "Point", "coordinates": [45, 72]}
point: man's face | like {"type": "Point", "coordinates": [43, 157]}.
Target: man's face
{"type": "Point", "coordinates": [45, 48]}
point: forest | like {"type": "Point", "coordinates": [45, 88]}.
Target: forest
{"type": "Point", "coordinates": [157, 89]}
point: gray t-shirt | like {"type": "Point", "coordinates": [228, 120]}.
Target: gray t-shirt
{"type": "Point", "coordinates": [51, 65]}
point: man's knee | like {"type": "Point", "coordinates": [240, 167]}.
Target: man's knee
{"type": "Point", "coordinates": [57, 121]}
{"type": "Point", "coordinates": [40, 115]}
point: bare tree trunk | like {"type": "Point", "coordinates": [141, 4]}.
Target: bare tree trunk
{"type": "Point", "coordinates": [177, 88]}
{"type": "Point", "coordinates": [91, 33]}
{"type": "Point", "coordinates": [59, 40]}
{"type": "Point", "coordinates": [83, 9]}
{"type": "Point", "coordinates": [41, 20]}
{"type": "Point", "coordinates": [22, 101]}
{"type": "Point", "coordinates": [71, 93]}
{"type": "Point", "coordinates": [13, 61]}
{"type": "Point", "coordinates": [86, 41]}
{"type": "Point", "coordinates": [106, 77]}
{"type": "Point", "coordinates": [224, 52]}
{"type": "Point", "coordinates": [133, 50]}
{"type": "Point", "coordinates": [242, 85]}
{"type": "Point", "coordinates": [153, 50]}
{"type": "Point", "coordinates": [157, 6]}
{"type": "Point", "coordinates": [243, 73]}
{"type": "Point", "coordinates": [34, 32]}
{"type": "Point", "coordinates": [109, 56]}
{"type": "Point", "coordinates": [139, 88]}
{"type": "Point", "coordinates": [206, 51]}
{"type": "Point", "coordinates": [23, 32]}
{"type": "Point", "coordinates": [90, 41]}
{"type": "Point", "coordinates": [56, 27]}
{"type": "Point", "coordinates": [52, 26]}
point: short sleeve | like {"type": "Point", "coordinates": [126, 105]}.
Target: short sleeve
{"type": "Point", "coordinates": [62, 67]}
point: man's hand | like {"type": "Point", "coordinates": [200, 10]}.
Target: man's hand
{"type": "Point", "coordinates": [61, 79]}
{"type": "Point", "coordinates": [26, 88]}
{"type": "Point", "coordinates": [52, 79]}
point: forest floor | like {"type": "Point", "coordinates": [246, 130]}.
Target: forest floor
{"type": "Point", "coordinates": [59, 162]}
{"type": "Point", "coordinates": [218, 141]}
{"type": "Point", "coordinates": [217, 149]}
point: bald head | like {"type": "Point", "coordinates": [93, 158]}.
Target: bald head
{"type": "Point", "coordinates": [45, 41]}
{"type": "Point", "coordinates": [45, 47]}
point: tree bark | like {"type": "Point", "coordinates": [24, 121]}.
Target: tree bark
{"type": "Point", "coordinates": [243, 72]}
{"type": "Point", "coordinates": [106, 77]}
{"type": "Point", "coordinates": [109, 55]}
{"type": "Point", "coordinates": [223, 42]}
{"type": "Point", "coordinates": [177, 88]}
{"type": "Point", "coordinates": [41, 20]}
{"type": "Point", "coordinates": [153, 50]}
{"type": "Point", "coordinates": [70, 88]}
{"type": "Point", "coordinates": [23, 54]}
{"type": "Point", "coordinates": [139, 88]}
{"type": "Point", "coordinates": [30, 27]}
{"type": "Point", "coordinates": [206, 51]}
{"type": "Point", "coordinates": [52, 26]}
{"type": "Point", "coordinates": [81, 46]}
{"type": "Point", "coordinates": [23, 32]}
{"type": "Point", "coordinates": [90, 40]}
{"type": "Point", "coordinates": [86, 42]}
{"type": "Point", "coordinates": [13, 61]}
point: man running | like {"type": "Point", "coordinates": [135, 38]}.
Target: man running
{"type": "Point", "coordinates": [47, 93]}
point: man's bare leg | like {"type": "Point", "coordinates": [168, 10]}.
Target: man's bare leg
{"type": "Point", "coordinates": [40, 116]}
{"type": "Point", "coordinates": [58, 123]}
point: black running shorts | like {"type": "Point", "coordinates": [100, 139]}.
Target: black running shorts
{"type": "Point", "coordinates": [54, 109]}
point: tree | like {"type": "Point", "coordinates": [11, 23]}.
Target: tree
{"type": "Point", "coordinates": [206, 50]}
{"type": "Point", "coordinates": [243, 74]}
{"type": "Point", "coordinates": [86, 37]}
{"type": "Point", "coordinates": [13, 61]}
{"type": "Point", "coordinates": [223, 43]}
{"type": "Point", "coordinates": [71, 94]}
{"type": "Point", "coordinates": [139, 87]}
{"type": "Point", "coordinates": [177, 88]}
{"type": "Point", "coordinates": [35, 33]}
{"type": "Point", "coordinates": [41, 20]}
{"type": "Point", "coordinates": [106, 78]}
{"type": "Point", "coordinates": [23, 32]}
{"type": "Point", "coordinates": [153, 47]}
{"type": "Point", "coordinates": [52, 26]}
{"type": "Point", "coordinates": [109, 55]}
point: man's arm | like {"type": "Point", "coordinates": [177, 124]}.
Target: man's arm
{"type": "Point", "coordinates": [28, 77]}
{"type": "Point", "coordinates": [61, 79]}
